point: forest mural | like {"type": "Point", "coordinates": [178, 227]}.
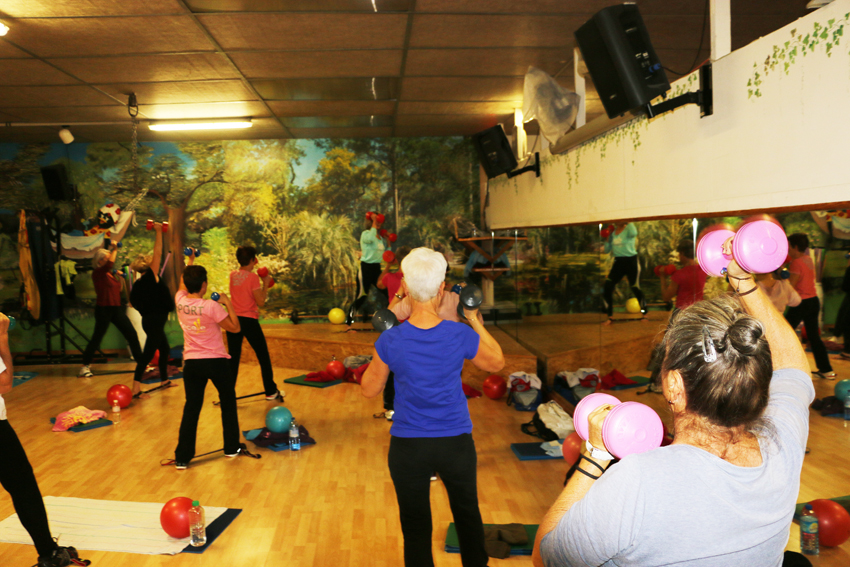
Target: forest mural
{"type": "Point", "coordinates": [301, 203]}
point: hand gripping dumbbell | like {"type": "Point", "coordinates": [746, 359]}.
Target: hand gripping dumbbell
{"type": "Point", "coordinates": [471, 297]}
{"type": "Point", "coordinates": [606, 232]}
{"type": "Point", "coordinates": [149, 225]}
{"type": "Point", "coordinates": [759, 247]}
{"type": "Point", "coordinates": [189, 252]}
{"type": "Point", "coordinates": [384, 320]}
{"type": "Point", "coordinates": [388, 256]}
{"type": "Point", "coordinates": [669, 269]}
{"type": "Point", "coordinates": [630, 427]}
{"type": "Point", "coordinates": [263, 272]}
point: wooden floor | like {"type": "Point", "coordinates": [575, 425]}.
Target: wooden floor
{"type": "Point", "coordinates": [332, 504]}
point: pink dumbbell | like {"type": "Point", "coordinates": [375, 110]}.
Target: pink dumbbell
{"type": "Point", "coordinates": [630, 427]}
{"type": "Point", "coordinates": [759, 247]}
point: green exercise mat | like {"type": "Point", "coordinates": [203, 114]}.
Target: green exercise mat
{"type": "Point", "coordinates": [302, 381]}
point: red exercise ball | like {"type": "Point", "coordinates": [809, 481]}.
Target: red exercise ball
{"type": "Point", "coordinates": [174, 517]}
{"type": "Point", "coordinates": [572, 448]}
{"type": "Point", "coordinates": [389, 257]}
{"type": "Point", "coordinates": [336, 369]}
{"type": "Point", "coordinates": [833, 522]}
{"type": "Point", "coordinates": [121, 394]}
{"type": "Point", "coordinates": [494, 387]}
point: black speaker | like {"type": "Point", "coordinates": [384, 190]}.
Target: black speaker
{"type": "Point", "coordinates": [494, 151]}
{"type": "Point", "coordinates": [619, 56]}
{"type": "Point", "coordinates": [56, 183]}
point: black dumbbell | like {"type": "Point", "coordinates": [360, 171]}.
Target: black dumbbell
{"type": "Point", "coordinates": [384, 320]}
{"type": "Point", "coordinates": [471, 297]}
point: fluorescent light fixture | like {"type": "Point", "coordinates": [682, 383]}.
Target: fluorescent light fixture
{"type": "Point", "coordinates": [4, 29]}
{"type": "Point", "coordinates": [203, 124]}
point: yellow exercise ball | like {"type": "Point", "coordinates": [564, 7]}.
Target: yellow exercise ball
{"type": "Point", "coordinates": [633, 305]}
{"type": "Point", "coordinates": [336, 316]}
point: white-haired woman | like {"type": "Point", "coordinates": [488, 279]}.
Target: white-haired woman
{"type": "Point", "coordinates": [432, 430]}
{"type": "Point", "coordinates": [108, 308]}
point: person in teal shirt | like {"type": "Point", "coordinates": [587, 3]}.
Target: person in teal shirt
{"type": "Point", "coordinates": [372, 246]}
{"type": "Point", "coordinates": [621, 243]}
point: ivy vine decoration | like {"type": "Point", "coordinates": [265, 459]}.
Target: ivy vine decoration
{"type": "Point", "coordinates": [785, 55]}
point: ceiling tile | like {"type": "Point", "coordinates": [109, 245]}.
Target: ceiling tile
{"type": "Point", "coordinates": [331, 107]}
{"type": "Point", "coordinates": [109, 36]}
{"type": "Point", "coordinates": [463, 89]}
{"type": "Point", "coordinates": [307, 31]}
{"type": "Point", "coordinates": [28, 135]}
{"type": "Point", "coordinates": [52, 96]}
{"type": "Point", "coordinates": [491, 62]}
{"type": "Point", "coordinates": [71, 8]}
{"type": "Point", "coordinates": [32, 72]}
{"type": "Point", "coordinates": [342, 132]}
{"type": "Point", "coordinates": [373, 121]}
{"type": "Point", "coordinates": [513, 6]}
{"type": "Point", "coordinates": [433, 131]}
{"type": "Point", "coordinates": [307, 64]}
{"type": "Point", "coordinates": [492, 108]}
{"type": "Point", "coordinates": [493, 31]}
{"type": "Point", "coordinates": [71, 114]}
{"type": "Point", "coordinates": [463, 121]}
{"type": "Point", "coordinates": [373, 89]}
{"type": "Point", "coordinates": [144, 68]}
{"type": "Point", "coordinates": [206, 6]}
{"type": "Point", "coordinates": [183, 91]}
{"type": "Point", "coordinates": [8, 50]}
{"type": "Point", "coordinates": [207, 110]}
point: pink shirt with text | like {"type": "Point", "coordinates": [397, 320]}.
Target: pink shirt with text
{"type": "Point", "coordinates": [199, 319]}
{"type": "Point", "coordinates": [242, 286]}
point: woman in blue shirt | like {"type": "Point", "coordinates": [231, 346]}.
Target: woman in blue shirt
{"type": "Point", "coordinates": [432, 430]}
{"type": "Point", "coordinates": [621, 244]}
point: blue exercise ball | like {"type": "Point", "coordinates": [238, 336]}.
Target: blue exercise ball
{"type": "Point", "coordinates": [842, 388]}
{"type": "Point", "coordinates": [278, 419]}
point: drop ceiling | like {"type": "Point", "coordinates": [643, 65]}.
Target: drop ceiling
{"type": "Point", "coordinates": [313, 68]}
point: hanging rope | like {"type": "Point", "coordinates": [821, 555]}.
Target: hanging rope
{"type": "Point", "coordinates": [133, 111]}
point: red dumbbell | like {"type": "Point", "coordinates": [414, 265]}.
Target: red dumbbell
{"type": "Point", "coordinates": [149, 225]}
{"type": "Point", "coordinates": [263, 272]}
{"type": "Point", "coordinates": [389, 257]}
{"type": "Point", "coordinates": [657, 270]}
{"type": "Point", "coordinates": [369, 215]}
{"type": "Point", "coordinates": [392, 237]}
{"type": "Point", "coordinates": [381, 218]}
{"type": "Point", "coordinates": [605, 233]}
{"type": "Point", "coordinates": [383, 232]}
{"type": "Point", "coordinates": [670, 269]}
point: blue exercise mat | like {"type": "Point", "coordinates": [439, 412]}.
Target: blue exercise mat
{"type": "Point", "coordinates": [102, 422]}
{"type": "Point", "coordinates": [214, 530]}
{"type": "Point", "coordinates": [22, 376]}
{"type": "Point", "coordinates": [532, 451]}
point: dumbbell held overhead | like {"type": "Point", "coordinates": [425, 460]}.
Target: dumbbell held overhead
{"type": "Point", "coordinates": [150, 224]}
{"type": "Point", "coordinates": [758, 247]}
{"type": "Point", "coordinates": [188, 251]}
{"type": "Point", "coordinates": [629, 427]}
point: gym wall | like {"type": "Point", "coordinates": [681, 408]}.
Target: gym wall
{"type": "Point", "coordinates": [777, 139]}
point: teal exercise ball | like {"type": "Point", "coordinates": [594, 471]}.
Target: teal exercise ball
{"type": "Point", "coordinates": [278, 419]}
{"type": "Point", "coordinates": [842, 388]}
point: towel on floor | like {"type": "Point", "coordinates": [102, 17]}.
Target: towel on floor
{"type": "Point", "coordinates": [498, 539]}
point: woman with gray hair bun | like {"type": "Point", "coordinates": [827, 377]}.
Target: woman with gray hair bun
{"type": "Point", "coordinates": [723, 493]}
{"type": "Point", "coordinates": [432, 430]}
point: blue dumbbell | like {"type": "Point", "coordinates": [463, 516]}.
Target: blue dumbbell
{"type": "Point", "coordinates": [215, 296]}
{"type": "Point", "coordinates": [11, 322]}
{"type": "Point", "coordinates": [457, 288]}
{"type": "Point", "coordinates": [784, 274]}
{"type": "Point", "coordinates": [188, 252]}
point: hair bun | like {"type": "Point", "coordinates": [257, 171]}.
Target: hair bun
{"type": "Point", "coordinates": [744, 335]}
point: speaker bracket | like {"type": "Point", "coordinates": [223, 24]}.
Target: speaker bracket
{"type": "Point", "coordinates": [704, 97]}
{"type": "Point", "coordinates": [535, 168]}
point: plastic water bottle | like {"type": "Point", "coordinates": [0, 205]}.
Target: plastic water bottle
{"type": "Point", "coordinates": [847, 408]}
{"type": "Point", "coordinates": [809, 531]}
{"type": "Point", "coordinates": [294, 437]}
{"type": "Point", "coordinates": [197, 526]}
{"type": "Point", "coordinates": [116, 413]}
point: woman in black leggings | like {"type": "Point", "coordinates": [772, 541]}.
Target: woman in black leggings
{"type": "Point", "coordinates": [17, 476]}
{"type": "Point", "coordinates": [621, 243]}
{"type": "Point", "coordinates": [152, 299]}
{"type": "Point", "coordinates": [108, 309]}
{"type": "Point", "coordinates": [372, 246]}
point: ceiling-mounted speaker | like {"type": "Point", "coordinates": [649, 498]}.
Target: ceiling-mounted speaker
{"type": "Point", "coordinates": [620, 59]}
{"type": "Point", "coordinates": [56, 182]}
{"type": "Point", "coordinates": [494, 151]}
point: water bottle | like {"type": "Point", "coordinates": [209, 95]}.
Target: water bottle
{"type": "Point", "coordinates": [808, 531]}
{"type": "Point", "coordinates": [197, 526]}
{"type": "Point", "coordinates": [116, 412]}
{"type": "Point", "coordinates": [847, 408]}
{"type": "Point", "coordinates": [294, 437]}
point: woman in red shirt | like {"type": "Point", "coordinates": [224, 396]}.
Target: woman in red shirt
{"type": "Point", "coordinates": [108, 308]}
{"type": "Point", "coordinates": [803, 279]}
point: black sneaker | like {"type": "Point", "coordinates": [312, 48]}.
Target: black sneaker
{"type": "Point", "coordinates": [61, 557]}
